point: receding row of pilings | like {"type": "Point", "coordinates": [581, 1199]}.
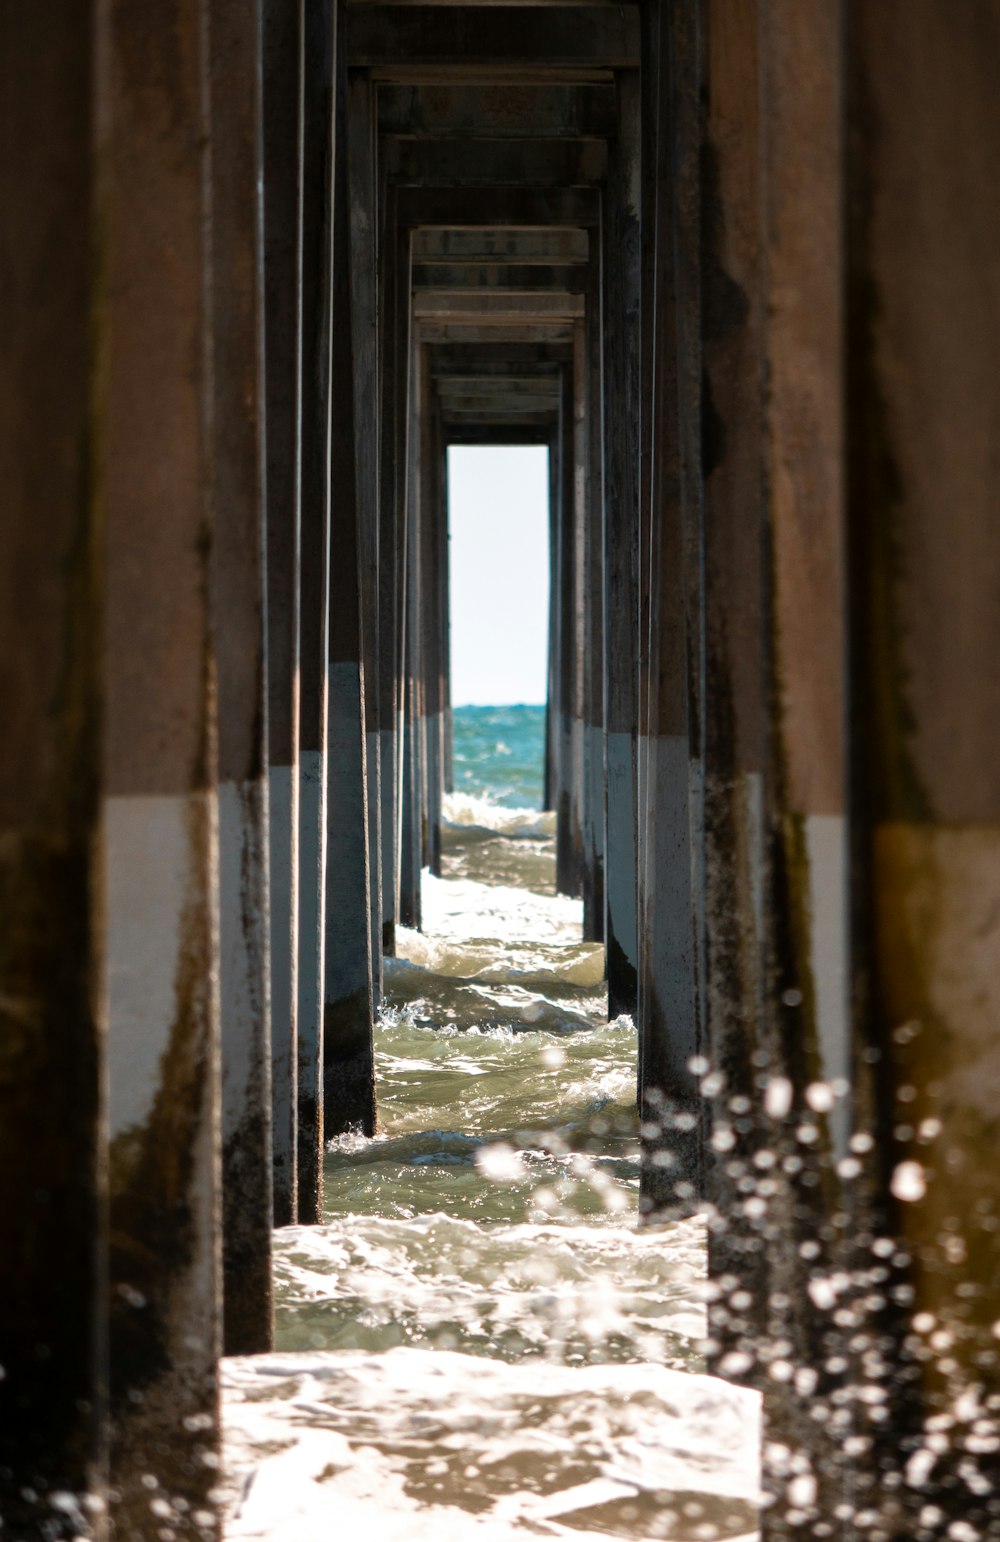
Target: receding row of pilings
{"type": "Point", "coordinates": [737, 266]}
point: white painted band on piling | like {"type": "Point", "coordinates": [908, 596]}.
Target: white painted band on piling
{"type": "Point", "coordinates": [153, 877]}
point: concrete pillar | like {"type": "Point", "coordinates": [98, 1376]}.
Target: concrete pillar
{"type": "Point", "coordinates": [579, 501]}
{"type": "Point", "coordinates": [394, 344]}
{"type": "Point", "coordinates": [53, 1453]}
{"type": "Point", "coordinates": [670, 1027]}
{"type": "Point", "coordinates": [621, 297]}
{"type": "Point", "coordinates": [447, 724]}
{"type": "Point", "coordinates": [348, 1057]}
{"type": "Point", "coordinates": [159, 830]}
{"type": "Point", "coordinates": [593, 890]}
{"type": "Point", "coordinates": [553, 697]}
{"type": "Point", "coordinates": [366, 327]}
{"type": "Point", "coordinates": [735, 724]}
{"type": "Point", "coordinates": [281, 72]}
{"type": "Point", "coordinates": [238, 580]}
{"type": "Point", "coordinates": [805, 1057]}
{"type": "Point", "coordinates": [314, 407]}
{"type": "Point", "coordinates": [410, 843]}
{"type": "Point", "coordinates": [651, 187]}
{"type": "Point", "coordinates": [434, 614]}
{"type": "Point", "coordinates": [567, 624]}
{"type": "Point", "coordinates": [923, 405]}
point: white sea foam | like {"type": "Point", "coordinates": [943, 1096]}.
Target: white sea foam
{"type": "Point", "coordinates": [417, 1443]}
{"type": "Point", "coordinates": [465, 812]}
{"type": "Point", "coordinates": [582, 964]}
{"type": "Point", "coordinates": [574, 1293]}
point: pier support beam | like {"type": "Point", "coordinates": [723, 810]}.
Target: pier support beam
{"type": "Point", "coordinates": [53, 1452]}
{"type": "Point", "coordinates": [621, 270]}
{"type": "Point", "coordinates": [805, 1060]}
{"type": "Point", "coordinates": [595, 817]}
{"type": "Point", "coordinates": [348, 1063]}
{"type": "Point", "coordinates": [735, 662]}
{"type": "Point", "coordinates": [281, 72]}
{"type": "Point", "coordinates": [314, 413]}
{"type": "Point", "coordinates": [923, 407]}
{"type": "Point", "coordinates": [435, 614]}
{"type": "Point", "coordinates": [238, 582]}
{"type": "Point", "coordinates": [366, 326]}
{"type": "Point", "coordinates": [670, 1026]}
{"type": "Point", "coordinates": [161, 874]}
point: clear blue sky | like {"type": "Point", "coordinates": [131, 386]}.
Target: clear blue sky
{"type": "Point", "coordinates": [499, 520]}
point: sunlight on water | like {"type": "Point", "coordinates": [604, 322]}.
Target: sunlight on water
{"type": "Point", "coordinates": [480, 1343]}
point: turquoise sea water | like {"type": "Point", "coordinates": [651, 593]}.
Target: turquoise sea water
{"type": "Point", "coordinates": [499, 754]}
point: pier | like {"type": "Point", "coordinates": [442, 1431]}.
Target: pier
{"type": "Point", "coordinates": [737, 266]}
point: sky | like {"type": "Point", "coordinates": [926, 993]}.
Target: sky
{"type": "Point", "coordinates": [498, 510]}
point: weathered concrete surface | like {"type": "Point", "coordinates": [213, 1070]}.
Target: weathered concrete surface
{"type": "Point", "coordinates": [281, 48]}
{"type": "Point", "coordinates": [159, 831]}
{"type": "Point", "coordinates": [238, 583]}
{"type": "Point", "coordinates": [52, 1118]}
{"type": "Point", "coordinates": [314, 411]}
{"type": "Point", "coordinates": [357, 134]}
{"type": "Point", "coordinates": [735, 727]}
{"type": "Point", "coordinates": [621, 271]}
{"type": "Point", "coordinates": [348, 1060]}
{"type": "Point", "coordinates": [923, 408]}
{"type": "Point", "coordinates": [806, 1036]}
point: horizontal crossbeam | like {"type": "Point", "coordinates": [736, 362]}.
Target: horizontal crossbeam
{"type": "Point", "coordinates": [492, 207]}
{"type": "Point", "coordinates": [542, 247]}
{"type": "Point", "coordinates": [509, 111]}
{"type": "Point", "coordinates": [485, 162]}
{"type": "Point", "coordinates": [458, 37]}
{"type": "Point", "coordinates": [482, 307]}
{"type": "Point", "coordinates": [455, 278]}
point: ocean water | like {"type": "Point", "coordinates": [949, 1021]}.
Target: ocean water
{"type": "Point", "coordinates": [498, 752]}
{"type": "Point", "coordinates": [481, 1342]}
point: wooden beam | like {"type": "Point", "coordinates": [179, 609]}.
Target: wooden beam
{"type": "Point", "coordinates": [487, 209]}
{"type": "Point", "coordinates": [561, 37]}
{"type": "Point", "coordinates": [533, 162]}
{"type": "Point", "coordinates": [546, 248]}
{"type": "Point", "coordinates": [521, 332]}
{"type": "Point", "coordinates": [500, 409]}
{"type": "Point", "coordinates": [500, 111]}
{"type": "Point", "coordinates": [498, 355]}
{"type": "Point", "coordinates": [497, 309]}
{"type": "Point", "coordinates": [503, 385]}
{"type": "Point", "coordinates": [460, 278]}
{"type": "Point", "coordinates": [465, 433]}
